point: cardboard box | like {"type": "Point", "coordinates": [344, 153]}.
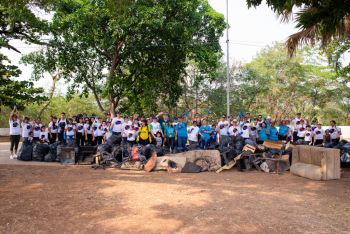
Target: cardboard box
{"type": "Point", "coordinates": [290, 145]}
{"type": "Point", "coordinates": [273, 144]}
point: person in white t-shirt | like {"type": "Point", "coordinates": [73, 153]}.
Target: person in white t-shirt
{"type": "Point", "coordinates": [89, 133]}
{"type": "Point", "coordinates": [193, 133]}
{"type": "Point", "coordinates": [318, 134]}
{"type": "Point", "coordinates": [117, 124]}
{"type": "Point", "coordinates": [27, 127]}
{"type": "Point", "coordinates": [62, 122]}
{"type": "Point", "coordinates": [300, 129]}
{"type": "Point", "coordinates": [290, 132]}
{"type": "Point", "coordinates": [260, 120]}
{"type": "Point", "coordinates": [136, 126]}
{"type": "Point", "coordinates": [308, 135]}
{"type": "Point", "coordinates": [43, 136]}
{"type": "Point", "coordinates": [223, 127]}
{"type": "Point", "coordinates": [245, 126]}
{"type": "Point", "coordinates": [70, 130]}
{"type": "Point", "coordinates": [295, 121]}
{"type": "Point", "coordinates": [15, 132]}
{"type": "Point", "coordinates": [334, 131]}
{"type": "Point", "coordinates": [108, 131]}
{"type": "Point", "coordinates": [313, 127]}
{"type": "Point", "coordinates": [155, 127]}
{"type": "Point", "coordinates": [96, 127]}
{"type": "Point", "coordinates": [37, 129]}
{"type": "Point", "coordinates": [130, 135]}
{"type": "Point", "coordinates": [80, 132]}
{"type": "Point", "coordinates": [53, 128]}
{"type": "Point", "coordinates": [126, 126]}
{"type": "Point", "coordinates": [235, 130]}
{"type": "Point", "coordinates": [253, 130]}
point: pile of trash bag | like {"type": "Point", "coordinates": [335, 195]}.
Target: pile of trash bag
{"type": "Point", "coordinates": [103, 148]}
{"type": "Point", "coordinates": [39, 151]}
{"type": "Point", "coordinates": [114, 140]}
{"type": "Point", "coordinates": [25, 152]}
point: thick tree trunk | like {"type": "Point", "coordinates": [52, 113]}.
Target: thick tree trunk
{"type": "Point", "coordinates": [43, 107]}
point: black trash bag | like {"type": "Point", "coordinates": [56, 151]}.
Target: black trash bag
{"type": "Point", "coordinates": [71, 143]}
{"type": "Point", "coordinates": [166, 150]}
{"type": "Point", "coordinates": [39, 151]}
{"type": "Point", "coordinates": [238, 152]}
{"type": "Point", "coordinates": [103, 148]}
{"type": "Point", "coordinates": [223, 149]}
{"type": "Point", "coordinates": [114, 140]}
{"type": "Point", "coordinates": [249, 142]}
{"type": "Point", "coordinates": [342, 143]}
{"type": "Point", "coordinates": [178, 150]}
{"type": "Point", "coordinates": [326, 145]}
{"type": "Point", "coordinates": [192, 147]}
{"type": "Point", "coordinates": [346, 148]}
{"type": "Point", "coordinates": [118, 154]}
{"type": "Point", "coordinates": [238, 138]}
{"type": "Point", "coordinates": [58, 150]}
{"type": "Point", "coordinates": [191, 168]}
{"type": "Point", "coordinates": [239, 145]}
{"type": "Point", "coordinates": [54, 145]}
{"type": "Point", "coordinates": [273, 151]}
{"type": "Point", "coordinates": [25, 152]}
{"type": "Point", "coordinates": [144, 150]}
{"type": "Point", "coordinates": [229, 156]}
{"type": "Point", "coordinates": [225, 140]}
{"type": "Point", "coordinates": [51, 156]}
{"type": "Point", "coordinates": [333, 145]}
{"type": "Point", "coordinates": [301, 142]}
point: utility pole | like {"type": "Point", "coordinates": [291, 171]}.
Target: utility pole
{"type": "Point", "coordinates": [228, 63]}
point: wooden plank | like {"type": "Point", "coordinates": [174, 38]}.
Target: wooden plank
{"type": "Point", "coordinates": [273, 144]}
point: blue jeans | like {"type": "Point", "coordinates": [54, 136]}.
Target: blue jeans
{"type": "Point", "coordinates": [204, 143]}
{"type": "Point", "coordinates": [60, 137]}
{"type": "Point", "coordinates": [181, 142]}
{"type": "Point", "coordinates": [125, 139]}
{"type": "Point", "coordinates": [70, 137]}
{"type": "Point", "coordinates": [116, 133]}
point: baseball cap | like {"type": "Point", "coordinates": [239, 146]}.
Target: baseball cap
{"type": "Point", "coordinates": [319, 124]}
{"type": "Point", "coordinates": [131, 115]}
{"type": "Point", "coordinates": [84, 113]}
{"type": "Point", "coordinates": [235, 120]}
{"type": "Point", "coordinates": [54, 117]}
{"type": "Point", "coordinates": [181, 117]}
{"type": "Point", "coordinates": [170, 120]}
{"type": "Point", "coordinates": [142, 116]}
{"type": "Point", "coordinates": [194, 121]}
{"type": "Point", "coordinates": [268, 117]}
{"type": "Point", "coordinates": [136, 119]}
{"type": "Point", "coordinates": [298, 113]}
{"type": "Point", "coordinates": [125, 116]}
{"type": "Point", "coordinates": [99, 117]}
{"type": "Point", "coordinates": [302, 120]}
{"type": "Point", "coordinates": [175, 117]}
{"type": "Point", "coordinates": [93, 114]}
{"type": "Point", "coordinates": [119, 112]}
{"type": "Point", "coordinates": [247, 112]}
{"type": "Point", "coordinates": [108, 113]}
{"type": "Point", "coordinates": [26, 118]}
{"type": "Point", "coordinates": [70, 119]}
{"type": "Point", "coordinates": [154, 117]}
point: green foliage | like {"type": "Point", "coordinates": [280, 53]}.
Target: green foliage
{"type": "Point", "coordinates": [144, 49]}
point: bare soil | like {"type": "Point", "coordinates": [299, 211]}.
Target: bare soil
{"type": "Point", "coordinates": [44, 199]}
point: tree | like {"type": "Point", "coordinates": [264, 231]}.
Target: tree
{"type": "Point", "coordinates": [144, 49]}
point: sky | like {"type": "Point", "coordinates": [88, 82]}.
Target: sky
{"type": "Point", "coordinates": [250, 31]}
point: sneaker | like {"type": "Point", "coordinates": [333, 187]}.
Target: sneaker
{"type": "Point", "coordinates": [15, 156]}
{"type": "Point", "coordinates": [11, 157]}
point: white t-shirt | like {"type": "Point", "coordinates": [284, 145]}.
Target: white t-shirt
{"type": "Point", "coordinates": [222, 128]}
{"type": "Point", "coordinates": [130, 135]}
{"type": "Point", "coordinates": [295, 122]}
{"type": "Point", "coordinates": [308, 136]}
{"type": "Point", "coordinates": [104, 129]}
{"type": "Point", "coordinates": [70, 129]}
{"type": "Point", "coordinates": [155, 127]}
{"type": "Point", "coordinates": [15, 127]}
{"type": "Point", "coordinates": [334, 131]}
{"type": "Point", "coordinates": [37, 130]}
{"type": "Point", "coordinates": [290, 130]}
{"type": "Point", "coordinates": [192, 136]}
{"type": "Point", "coordinates": [117, 124]}
{"type": "Point", "coordinates": [53, 129]}
{"type": "Point", "coordinates": [245, 130]}
{"type": "Point", "coordinates": [61, 123]}
{"type": "Point", "coordinates": [174, 124]}
{"type": "Point", "coordinates": [319, 133]}
{"type": "Point", "coordinates": [136, 128]}
{"type": "Point", "coordinates": [43, 136]}
{"type": "Point", "coordinates": [126, 126]}
{"type": "Point", "coordinates": [301, 130]}
{"type": "Point", "coordinates": [87, 128]}
{"type": "Point", "coordinates": [96, 129]}
{"type": "Point", "coordinates": [260, 123]}
{"type": "Point", "coordinates": [26, 129]}
{"type": "Point", "coordinates": [249, 120]}
{"type": "Point", "coordinates": [80, 127]}
{"type": "Point", "coordinates": [253, 129]}
{"type": "Point", "coordinates": [313, 127]}
{"type": "Point", "coordinates": [234, 131]}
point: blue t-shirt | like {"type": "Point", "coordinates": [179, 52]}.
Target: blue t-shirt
{"type": "Point", "coordinates": [273, 133]}
{"type": "Point", "coordinates": [213, 136]}
{"type": "Point", "coordinates": [163, 124]}
{"type": "Point", "coordinates": [169, 130]}
{"type": "Point", "coordinates": [283, 130]}
{"type": "Point", "coordinates": [262, 134]}
{"type": "Point", "coordinates": [206, 129]}
{"type": "Point", "coordinates": [181, 129]}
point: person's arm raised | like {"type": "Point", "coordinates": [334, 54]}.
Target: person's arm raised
{"type": "Point", "coordinates": [11, 114]}
{"type": "Point", "coordinates": [70, 112]}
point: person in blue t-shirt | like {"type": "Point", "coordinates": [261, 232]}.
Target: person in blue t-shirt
{"type": "Point", "coordinates": [283, 131]}
{"type": "Point", "coordinates": [213, 135]}
{"type": "Point", "coordinates": [169, 135]}
{"type": "Point", "coordinates": [262, 133]}
{"type": "Point", "coordinates": [205, 131]}
{"type": "Point", "coordinates": [272, 132]}
{"type": "Point", "coordinates": [181, 132]}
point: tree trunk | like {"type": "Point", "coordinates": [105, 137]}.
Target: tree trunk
{"type": "Point", "coordinates": [112, 106]}
{"type": "Point", "coordinates": [49, 98]}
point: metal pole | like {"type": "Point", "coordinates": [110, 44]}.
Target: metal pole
{"type": "Point", "coordinates": [228, 63]}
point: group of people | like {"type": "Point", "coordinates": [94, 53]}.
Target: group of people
{"type": "Point", "coordinates": [174, 132]}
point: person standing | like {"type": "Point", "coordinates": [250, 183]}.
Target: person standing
{"type": "Point", "coordinates": [109, 118]}
{"type": "Point", "coordinates": [283, 131]}
{"type": "Point", "coordinates": [308, 135]}
{"type": "Point", "coordinates": [53, 128]}
{"type": "Point", "coordinates": [15, 132]}
{"type": "Point", "coordinates": [125, 127]}
{"type": "Point", "coordinates": [169, 135]}
{"type": "Point", "coordinates": [262, 133]}
{"type": "Point", "coordinates": [300, 129]}
{"type": "Point", "coordinates": [193, 133]}
{"type": "Point", "coordinates": [144, 133]}
{"type": "Point", "coordinates": [334, 131]}
{"type": "Point", "coordinates": [318, 134]}
{"type": "Point", "coordinates": [37, 129]}
{"type": "Point", "coordinates": [296, 121]}
{"type": "Point", "coordinates": [163, 122]}
{"type": "Point", "coordinates": [204, 131]}
{"type": "Point", "coordinates": [223, 126]}
{"type": "Point", "coordinates": [272, 132]}
{"type": "Point", "coordinates": [253, 130]}
{"type": "Point", "coordinates": [117, 124]}
{"type": "Point", "coordinates": [155, 128]}
{"type": "Point", "coordinates": [234, 130]}
{"type": "Point", "coordinates": [130, 134]}
{"type": "Point", "coordinates": [70, 129]}
{"type": "Point", "coordinates": [88, 131]}
{"type": "Point", "coordinates": [62, 122]}
{"type": "Point", "coordinates": [80, 132]}
{"type": "Point", "coordinates": [245, 126]}
{"type": "Point", "coordinates": [27, 127]}
{"type": "Point", "coordinates": [181, 132]}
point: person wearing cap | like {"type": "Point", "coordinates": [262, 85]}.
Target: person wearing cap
{"type": "Point", "coordinates": [93, 115]}
{"type": "Point", "coordinates": [245, 128]}
{"type": "Point", "coordinates": [181, 132]}
{"type": "Point", "coordinates": [193, 133]}
{"type": "Point", "coordinates": [272, 132]}
{"type": "Point", "coordinates": [62, 122]}
{"type": "Point", "coordinates": [144, 134]}
{"type": "Point", "coordinates": [198, 118]}
{"type": "Point", "coordinates": [117, 124]}
{"type": "Point", "coordinates": [53, 128]}
{"type": "Point", "coordinates": [234, 130]}
{"type": "Point", "coordinates": [260, 120]}
{"type": "Point", "coordinates": [108, 118]}
{"type": "Point", "coordinates": [163, 122]}
{"type": "Point", "coordinates": [204, 132]}
{"type": "Point", "coordinates": [313, 127]}
{"type": "Point", "coordinates": [27, 127]}
{"type": "Point", "coordinates": [334, 131]}
{"type": "Point", "coordinates": [247, 114]}
{"type": "Point", "coordinates": [84, 116]}
{"type": "Point", "coordinates": [319, 134]}
{"type": "Point", "coordinates": [155, 128]}
{"type": "Point", "coordinates": [327, 137]}
{"type": "Point", "coordinates": [131, 117]}
{"type": "Point", "coordinates": [223, 126]}
{"type": "Point", "coordinates": [142, 119]}
{"type": "Point", "coordinates": [80, 132]}
{"type": "Point", "coordinates": [283, 131]}
{"type": "Point", "coordinates": [99, 133]}
{"type": "Point", "coordinates": [15, 132]}
{"type": "Point", "coordinates": [268, 121]}
{"type": "Point", "coordinates": [300, 129]}
{"type": "Point", "coordinates": [70, 129]}
{"type": "Point", "coordinates": [89, 133]}
{"type": "Point", "coordinates": [295, 121]}
{"type": "Point", "coordinates": [137, 126]}
{"type": "Point", "coordinates": [126, 127]}
{"type": "Point", "coordinates": [169, 135]}
{"type": "Point", "coordinates": [253, 130]}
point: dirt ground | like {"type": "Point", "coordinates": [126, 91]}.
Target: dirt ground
{"type": "Point", "coordinates": [44, 199]}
